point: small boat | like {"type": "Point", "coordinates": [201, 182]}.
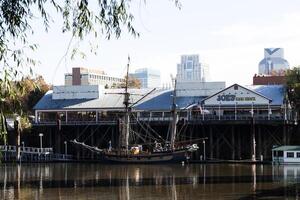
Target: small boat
{"type": "Point", "coordinates": [170, 151]}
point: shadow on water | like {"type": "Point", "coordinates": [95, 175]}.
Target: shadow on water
{"type": "Point", "coordinates": [215, 181]}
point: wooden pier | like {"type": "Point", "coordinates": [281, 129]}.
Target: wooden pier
{"type": "Point", "coordinates": [228, 139]}
{"type": "Point", "coordinates": [32, 154]}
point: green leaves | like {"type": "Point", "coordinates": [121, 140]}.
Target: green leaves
{"type": "Point", "coordinates": [293, 86]}
{"type": "Point", "coordinates": [3, 129]}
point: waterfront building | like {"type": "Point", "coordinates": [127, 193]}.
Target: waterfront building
{"type": "Point", "coordinates": [273, 62]}
{"type": "Point", "coordinates": [87, 76]}
{"type": "Point", "coordinates": [149, 78]}
{"type": "Point", "coordinates": [97, 105]}
{"type": "Point", "coordinates": [236, 102]}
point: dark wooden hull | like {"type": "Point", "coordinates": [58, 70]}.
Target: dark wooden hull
{"type": "Point", "coordinates": [159, 157]}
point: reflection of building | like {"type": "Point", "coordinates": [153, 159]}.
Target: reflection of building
{"type": "Point", "coordinates": [191, 69]}
{"type": "Point", "coordinates": [149, 78]}
{"type": "Point", "coordinates": [286, 173]}
{"type": "Point", "coordinates": [85, 76]}
{"type": "Point", "coordinates": [273, 62]}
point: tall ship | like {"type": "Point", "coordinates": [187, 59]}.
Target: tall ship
{"type": "Point", "coordinates": [153, 152]}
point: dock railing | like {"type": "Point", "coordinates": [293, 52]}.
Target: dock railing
{"type": "Point", "coordinates": [32, 154]}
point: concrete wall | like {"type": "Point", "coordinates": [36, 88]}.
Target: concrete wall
{"type": "Point", "coordinates": [77, 92]}
{"type": "Point", "coordinates": [197, 88]}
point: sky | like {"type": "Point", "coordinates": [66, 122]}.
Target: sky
{"type": "Point", "coordinates": [230, 36]}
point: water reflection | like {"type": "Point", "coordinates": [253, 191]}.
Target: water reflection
{"type": "Point", "coordinates": [212, 181]}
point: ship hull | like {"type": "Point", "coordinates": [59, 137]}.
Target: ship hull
{"type": "Point", "coordinates": [162, 157]}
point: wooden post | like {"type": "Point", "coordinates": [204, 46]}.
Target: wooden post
{"type": "Point", "coordinates": [218, 145]}
{"type": "Point", "coordinates": [58, 142]}
{"type": "Point", "coordinates": [50, 137]}
{"type": "Point", "coordinates": [77, 148]}
{"type": "Point", "coordinates": [211, 143]}
{"type": "Point", "coordinates": [58, 134]}
{"type": "Point", "coordinates": [284, 133]}
{"type": "Point", "coordinates": [113, 136]}
{"type": "Point", "coordinates": [17, 127]}
{"type": "Point", "coordinates": [253, 142]}
{"type": "Point", "coordinates": [232, 143]}
{"type": "Point", "coordinates": [92, 141]}
{"type": "Point", "coordinates": [259, 141]}
{"type": "Point", "coordinates": [239, 144]}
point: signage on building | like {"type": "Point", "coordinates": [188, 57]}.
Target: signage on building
{"type": "Point", "coordinates": [231, 97]}
{"type": "Point", "coordinates": [237, 95]}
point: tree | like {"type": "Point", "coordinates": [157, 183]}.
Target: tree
{"type": "Point", "coordinates": [34, 90]}
{"type": "Point", "coordinates": [132, 83]}
{"type": "Point", "coordinates": [80, 18]}
{"type": "Point", "coordinates": [293, 87]}
{"type": "Point", "coordinates": [17, 101]}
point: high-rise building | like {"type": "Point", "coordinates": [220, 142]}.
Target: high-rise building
{"type": "Point", "coordinates": [192, 78]}
{"type": "Point", "coordinates": [273, 62]}
{"type": "Point", "coordinates": [149, 78]}
{"type": "Point", "coordinates": [191, 69]}
{"type": "Point", "coordinates": [86, 76]}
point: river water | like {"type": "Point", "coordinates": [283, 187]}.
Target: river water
{"type": "Point", "coordinates": [193, 181]}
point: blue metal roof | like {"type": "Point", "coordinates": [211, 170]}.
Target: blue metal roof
{"type": "Point", "coordinates": [274, 92]}
{"type": "Point", "coordinates": [158, 100]}
{"type": "Point", "coordinates": [106, 100]}
{"type": "Point", "coordinates": [164, 100]}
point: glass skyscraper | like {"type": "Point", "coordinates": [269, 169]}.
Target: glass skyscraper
{"type": "Point", "coordinates": [273, 62]}
{"type": "Point", "coordinates": [191, 69]}
{"type": "Point", "coordinates": [149, 78]}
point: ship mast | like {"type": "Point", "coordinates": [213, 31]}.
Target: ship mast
{"type": "Point", "coordinates": [175, 118]}
{"type": "Point", "coordinates": [125, 125]}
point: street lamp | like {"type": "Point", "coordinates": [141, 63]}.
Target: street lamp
{"type": "Point", "coordinates": [41, 140]}
{"type": "Point", "coordinates": [66, 147]}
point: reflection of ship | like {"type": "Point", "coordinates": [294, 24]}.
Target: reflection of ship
{"type": "Point", "coordinates": [94, 181]}
{"type": "Point", "coordinates": [155, 152]}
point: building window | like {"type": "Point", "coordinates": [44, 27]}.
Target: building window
{"type": "Point", "coordinates": [189, 75]}
{"type": "Point", "coordinates": [236, 87]}
{"type": "Point", "coordinates": [290, 154]}
{"type": "Point", "coordinates": [280, 153]}
{"type": "Point", "coordinates": [298, 154]}
{"type": "Point", "coordinates": [189, 65]}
